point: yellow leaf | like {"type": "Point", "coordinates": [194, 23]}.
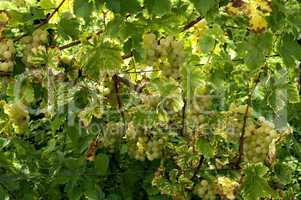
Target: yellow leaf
{"type": "Point", "coordinates": [66, 7]}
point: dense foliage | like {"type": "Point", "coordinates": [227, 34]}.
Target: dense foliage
{"type": "Point", "coordinates": [150, 99]}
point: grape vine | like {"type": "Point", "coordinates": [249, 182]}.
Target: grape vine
{"type": "Point", "coordinates": [144, 99]}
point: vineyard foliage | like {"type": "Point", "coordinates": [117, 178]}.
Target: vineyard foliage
{"type": "Point", "coordinates": [150, 99]}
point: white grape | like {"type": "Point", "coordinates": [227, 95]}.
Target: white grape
{"type": "Point", "coordinates": [7, 55]}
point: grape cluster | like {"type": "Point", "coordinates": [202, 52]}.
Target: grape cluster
{"type": "Point", "coordinates": [18, 115]}
{"type": "Point", "coordinates": [146, 147]}
{"type": "Point", "coordinates": [205, 190]}
{"type": "Point", "coordinates": [150, 100]}
{"type": "Point", "coordinates": [259, 135]}
{"type": "Point", "coordinates": [173, 50]}
{"type": "Point", "coordinates": [3, 18]}
{"type": "Point", "coordinates": [142, 146]}
{"type": "Point", "coordinates": [7, 51]}
{"type": "Point", "coordinates": [35, 48]}
{"type": "Point", "coordinates": [168, 53]}
{"type": "Point", "coordinates": [113, 134]}
{"type": "Point", "coordinates": [234, 121]}
{"type": "Point", "coordinates": [258, 138]}
{"type": "Point", "coordinates": [227, 187]}
{"type": "Point", "coordinates": [150, 45]}
{"type": "Point", "coordinates": [3, 22]}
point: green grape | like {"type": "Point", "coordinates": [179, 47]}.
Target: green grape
{"type": "Point", "coordinates": [151, 100]}
{"type": "Point", "coordinates": [67, 60]}
{"type": "Point", "coordinates": [153, 149]}
{"type": "Point", "coordinates": [150, 46]}
{"type": "Point", "coordinates": [257, 142]}
{"type": "Point", "coordinates": [35, 50]}
{"type": "Point", "coordinates": [6, 54]}
{"type": "Point", "coordinates": [27, 39]}
{"type": "Point", "coordinates": [40, 36]}
{"type": "Point", "coordinates": [205, 190]}
{"type": "Point", "coordinates": [149, 39]}
{"type": "Point", "coordinates": [6, 66]}
{"type": "Point", "coordinates": [227, 187]}
{"type": "Point", "coordinates": [141, 146]}
{"type": "Point", "coordinates": [3, 18]}
{"type": "Point", "coordinates": [165, 46]}
{"type": "Point", "coordinates": [169, 53]}
{"type": "Point", "coordinates": [177, 56]}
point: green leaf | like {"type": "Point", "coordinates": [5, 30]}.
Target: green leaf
{"type": "Point", "coordinates": [81, 98]}
{"type": "Point", "coordinates": [3, 193]}
{"type": "Point", "coordinates": [296, 147]}
{"type": "Point", "coordinates": [123, 7]}
{"type": "Point", "coordinates": [205, 148]}
{"type": "Point", "coordinates": [255, 185]}
{"type": "Point", "coordinates": [101, 162]}
{"type": "Point", "coordinates": [293, 93]}
{"type": "Point", "coordinates": [28, 94]}
{"type": "Point", "coordinates": [158, 7]}
{"type": "Point", "coordinates": [256, 48]}
{"type": "Point", "coordinates": [103, 58]}
{"type": "Point", "coordinates": [4, 142]}
{"type": "Point", "coordinates": [99, 3]}
{"type": "Point", "coordinates": [289, 50]}
{"type": "Point", "coordinates": [93, 190]}
{"type": "Point", "coordinates": [47, 4]}
{"type": "Point", "coordinates": [57, 122]}
{"type": "Point", "coordinates": [113, 197]}
{"type": "Point", "coordinates": [192, 79]}
{"type": "Point", "coordinates": [114, 27]}
{"type": "Point", "coordinates": [82, 8]}
{"type": "Point", "coordinates": [130, 6]}
{"type": "Point", "coordinates": [207, 43]}
{"type": "Point", "coordinates": [69, 26]}
{"type": "Point", "coordinates": [113, 5]}
{"type": "Point", "coordinates": [283, 172]}
{"type": "Point", "coordinates": [203, 6]}
{"type": "Point", "coordinates": [75, 193]}
{"type": "Point", "coordinates": [19, 67]}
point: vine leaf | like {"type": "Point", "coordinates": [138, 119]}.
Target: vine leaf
{"type": "Point", "coordinates": [158, 7]}
{"type": "Point", "coordinates": [69, 26]}
{"type": "Point", "coordinates": [255, 185]}
{"type": "Point", "coordinates": [103, 57]}
{"type": "Point", "coordinates": [203, 6]}
{"type": "Point", "coordinates": [207, 43]}
{"type": "Point", "coordinates": [102, 163]}
{"type": "Point", "coordinates": [289, 50]}
{"type": "Point", "coordinates": [256, 48]}
{"type": "Point", "coordinates": [46, 4]}
{"type": "Point", "coordinates": [82, 8]}
{"type": "Point", "coordinates": [205, 148]}
{"type": "Point", "coordinates": [293, 93]}
{"type": "Point", "coordinates": [123, 7]}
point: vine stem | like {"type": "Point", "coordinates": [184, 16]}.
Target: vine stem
{"type": "Point", "coordinates": [183, 129]}
{"type": "Point", "coordinates": [192, 23]}
{"type": "Point", "coordinates": [243, 130]}
{"type": "Point", "coordinates": [116, 80]}
{"type": "Point", "coordinates": [44, 21]}
{"type": "Point", "coordinates": [5, 73]}
{"type": "Point", "coordinates": [51, 15]}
